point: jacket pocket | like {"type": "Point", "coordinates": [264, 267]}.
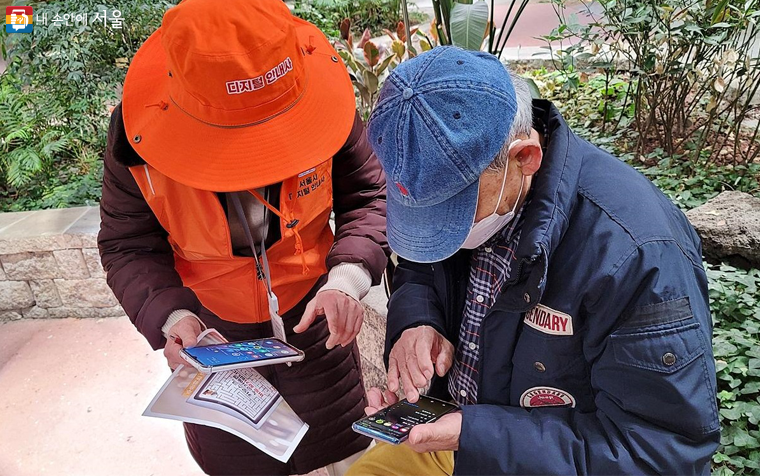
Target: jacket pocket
{"type": "Point", "coordinates": [664, 373]}
{"type": "Point", "coordinates": [666, 350]}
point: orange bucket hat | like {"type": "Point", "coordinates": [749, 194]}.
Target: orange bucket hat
{"type": "Point", "coordinates": [234, 95]}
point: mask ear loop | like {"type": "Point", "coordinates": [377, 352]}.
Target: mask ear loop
{"type": "Point", "coordinates": [522, 182]}
{"type": "Point", "coordinates": [504, 181]}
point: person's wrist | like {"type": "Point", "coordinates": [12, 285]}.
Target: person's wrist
{"type": "Point", "coordinates": [351, 279]}
{"type": "Point", "coordinates": [177, 316]}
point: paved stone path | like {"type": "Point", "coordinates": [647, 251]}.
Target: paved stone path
{"type": "Point", "coordinates": [73, 394]}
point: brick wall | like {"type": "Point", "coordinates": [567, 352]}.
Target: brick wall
{"type": "Point", "coordinates": [50, 268]}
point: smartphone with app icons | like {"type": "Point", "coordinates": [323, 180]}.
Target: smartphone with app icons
{"type": "Point", "coordinates": [238, 355]}
{"type": "Point", "coordinates": [394, 423]}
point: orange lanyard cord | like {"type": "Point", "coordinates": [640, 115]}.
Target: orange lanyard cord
{"type": "Point", "coordinates": [290, 222]}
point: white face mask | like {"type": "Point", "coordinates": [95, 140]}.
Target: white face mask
{"type": "Point", "coordinates": [488, 226]}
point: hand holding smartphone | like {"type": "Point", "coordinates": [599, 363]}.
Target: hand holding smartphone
{"type": "Point", "coordinates": [243, 354]}
{"type": "Point", "coordinates": [393, 424]}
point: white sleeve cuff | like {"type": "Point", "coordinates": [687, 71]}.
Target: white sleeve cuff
{"type": "Point", "coordinates": [350, 278]}
{"type": "Point", "coordinates": [177, 316]}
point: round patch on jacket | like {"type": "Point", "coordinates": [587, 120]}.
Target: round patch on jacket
{"type": "Point", "coordinates": [546, 397]}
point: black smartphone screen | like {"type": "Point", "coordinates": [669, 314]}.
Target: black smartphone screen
{"type": "Point", "coordinates": [398, 419]}
{"type": "Point", "coordinates": [242, 352]}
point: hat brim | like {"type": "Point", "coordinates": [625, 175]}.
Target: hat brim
{"type": "Point", "coordinates": [225, 159]}
{"type": "Point", "coordinates": [433, 233]}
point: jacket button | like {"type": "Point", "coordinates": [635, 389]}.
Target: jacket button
{"type": "Point", "coordinates": [540, 367]}
{"type": "Point", "coordinates": [669, 359]}
{"type": "Point", "coordinates": [488, 249]}
{"type": "Point", "coordinates": [473, 346]}
{"type": "Point", "coordinates": [480, 298]}
{"type": "Point", "coordinates": [526, 297]}
{"type": "Point", "coordinates": [463, 393]}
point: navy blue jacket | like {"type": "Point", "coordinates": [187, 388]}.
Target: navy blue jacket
{"type": "Point", "coordinates": [596, 358]}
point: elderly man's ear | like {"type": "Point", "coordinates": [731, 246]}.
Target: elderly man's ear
{"type": "Point", "coordinates": [527, 155]}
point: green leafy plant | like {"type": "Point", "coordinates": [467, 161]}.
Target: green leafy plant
{"type": "Point", "coordinates": [374, 15]}
{"type": "Point", "coordinates": [55, 99]}
{"type": "Point", "coordinates": [694, 65]}
{"type": "Point", "coordinates": [736, 344]}
{"type": "Point", "coordinates": [467, 23]}
{"type": "Point", "coordinates": [369, 68]}
{"type": "Point", "coordinates": [597, 107]}
{"type": "Point", "coordinates": [325, 19]}
{"type": "Point", "coordinates": [28, 140]}
{"type": "Point", "coordinates": [691, 187]}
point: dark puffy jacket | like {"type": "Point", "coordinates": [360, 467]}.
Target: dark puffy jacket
{"type": "Point", "coordinates": [325, 389]}
{"type": "Point", "coordinates": [627, 385]}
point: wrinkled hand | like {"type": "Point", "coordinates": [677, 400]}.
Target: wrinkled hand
{"type": "Point", "coordinates": [186, 331]}
{"type": "Point", "coordinates": [344, 316]}
{"type": "Point", "coordinates": [416, 355]}
{"type": "Point", "coordinates": [441, 435]}
{"type": "Point", "coordinates": [378, 399]}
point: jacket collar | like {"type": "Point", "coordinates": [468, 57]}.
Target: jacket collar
{"type": "Point", "coordinates": [118, 143]}
{"type": "Point", "coordinates": [546, 217]}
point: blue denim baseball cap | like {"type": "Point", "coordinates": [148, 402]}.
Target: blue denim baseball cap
{"type": "Point", "coordinates": [440, 120]}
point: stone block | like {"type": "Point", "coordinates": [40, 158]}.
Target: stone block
{"type": "Point", "coordinates": [87, 224]}
{"type": "Point", "coordinates": [45, 293]}
{"type": "Point", "coordinates": [86, 228]}
{"type": "Point", "coordinates": [373, 376]}
{"type": "Point", "coordinates": [88, 240]}
{"type": "Point", "coordinates": [85, 293]}
{"type": "Point", "coordinates": [35, 312]}
{"type": "Point", "coordinates": [10, 218]}
{"type": "Point", "coordinates": [371, 339]}
{"type": "Point", "coordinates": [42, 230]}
{"type": "Point", "coordinates": [71, 264]}
{"type": "Point", "coordinates": [10, 316]}
{"type": "Point", "coordinates": [40, 265]}
{"type": "Point", "coordinates": [3, 277]}
{"type": "Point", "coordinates": [92, 259]}
{"type": "Point", "coordinates": [729, 226]}
{"type": "Point", "coordinates": [15, 295]}
{"type": "Point", "coordinates": [85, 312]}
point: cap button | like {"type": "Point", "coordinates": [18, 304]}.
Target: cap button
{"type": "Point", "coordinates": [408, 92]}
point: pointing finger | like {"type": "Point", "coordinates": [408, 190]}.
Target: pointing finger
{"type": "Point", "coordinates": [336, 322]}
{"type": "Point", "coordinates": [393, 374]}
{"type": "Point", "coordinates": [423, 348]}
{"type": "Point", "coordinates": [309, 315]}
{"type": "Point", "coordinates": [445, 358]}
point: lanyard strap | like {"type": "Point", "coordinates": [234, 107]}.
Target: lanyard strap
{"type": "Point", "coordinates": [262, 273]}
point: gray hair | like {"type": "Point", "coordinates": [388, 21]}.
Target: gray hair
{"type": "Point", "coordinates": [521, 124]}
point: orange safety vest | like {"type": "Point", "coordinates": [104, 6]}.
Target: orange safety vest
{"type": "Point", "coordinates": [199, 234]}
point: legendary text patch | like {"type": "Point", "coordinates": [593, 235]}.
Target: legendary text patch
{"type": "Point", "coordinates": [549, 321]}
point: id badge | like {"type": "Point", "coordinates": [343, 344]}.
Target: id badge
{"type": "Point", "coordinates": [278, 326]}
